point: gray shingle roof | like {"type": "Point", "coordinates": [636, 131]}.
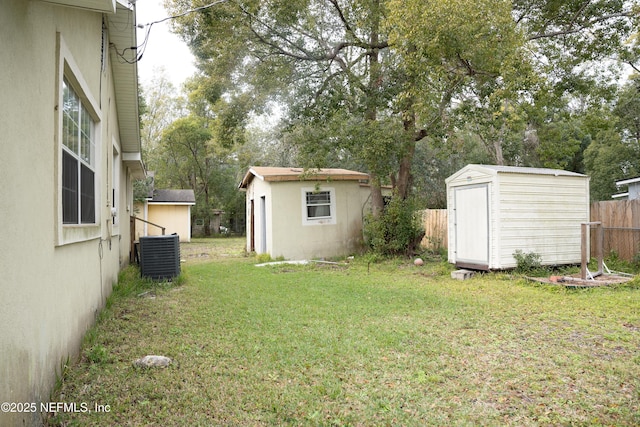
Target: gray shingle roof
{"type": "Point", "coordinates": [173, 196]}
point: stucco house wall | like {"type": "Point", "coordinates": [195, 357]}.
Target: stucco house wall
{"type": "Point", "coordinates": [55, 277]}
{"type": "Point", "coordinates": [276, 211]}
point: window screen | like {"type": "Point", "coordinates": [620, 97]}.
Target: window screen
{"type": "Point", "coordinates": [319, 204]}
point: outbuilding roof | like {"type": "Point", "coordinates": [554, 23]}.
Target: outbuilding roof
{"type": "Point", "coordinates": [274, 174]}
{"type": "Point", "coordinates": [181, 197]}
{"type": "Point", "coordinates": [535, 171]}
{"type": "Point", "coordinates": [499, 169]}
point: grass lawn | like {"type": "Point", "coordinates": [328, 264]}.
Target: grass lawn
{"type": "Point", "coordinates": [385, 344]}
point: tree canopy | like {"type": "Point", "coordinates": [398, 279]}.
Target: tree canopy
{"type": "Point", "coordinates": [410, 90]}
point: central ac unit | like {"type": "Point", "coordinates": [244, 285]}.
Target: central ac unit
{"type": "Point", "coordinates": [160, 256]}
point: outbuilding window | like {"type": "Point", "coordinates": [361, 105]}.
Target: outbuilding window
{"type": "Point", "coordinates": [318, 206]}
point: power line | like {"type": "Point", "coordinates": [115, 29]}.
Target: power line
{"type": "Point", "coordinates": [185, 13]}
{"type": "Point", "coordinates": [140, 49]}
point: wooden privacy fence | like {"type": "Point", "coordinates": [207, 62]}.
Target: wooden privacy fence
{"type": "Point", "coordinates": [435, 227]}
{"type": "Point", "coordinates": [621, 224]}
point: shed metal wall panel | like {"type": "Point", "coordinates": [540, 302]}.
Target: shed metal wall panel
{"type": "Point", "coordinates": [532, 210]}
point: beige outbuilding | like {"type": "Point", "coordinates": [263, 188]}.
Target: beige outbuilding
{"type": "Point", "coordinates": [304, 214]}
{"type": "Point", "coordinates": [166, 212]}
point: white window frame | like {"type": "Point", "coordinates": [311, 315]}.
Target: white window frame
{"type": "Point", "coordinates": [80, 148]}
{"type": "Point", "coordinates": [67, 69]}
{"type": "Point", "coordinates": [325, 220]}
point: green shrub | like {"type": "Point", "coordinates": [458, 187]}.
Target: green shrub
{"type": "Point", "coordinates": [527, 262]}
{"type": "Point", "coordinates": [615, 263]}
{"type": "Point", "coordinates": [262, 258]}
{"type": "Point", "coordinates": [397, 230]}
{"type": "Point", "coordinates": [635, 262]}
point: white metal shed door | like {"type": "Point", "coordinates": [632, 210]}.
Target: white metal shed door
{"type": "Point", "coordinates": [472, 224]}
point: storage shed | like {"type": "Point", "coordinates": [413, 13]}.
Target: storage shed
{"type": "Point", "coordinates": [168, 209]}
{"type": "Point", "coordinates": [304, 214]}
{"type": "Point", "coordinates": [494, 211]}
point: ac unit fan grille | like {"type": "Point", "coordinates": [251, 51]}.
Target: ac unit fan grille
{"type": "Point", "coordinates": [160, 256]}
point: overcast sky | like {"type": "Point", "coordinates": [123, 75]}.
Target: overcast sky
{"type": "Point", "coordinates": [164, 49]}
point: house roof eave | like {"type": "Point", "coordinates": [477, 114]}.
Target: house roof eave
{"type": "Point", "coordinates": [133, 161]}
{"type": "Point", "coordinates": [122, 32]}
{"type": "Point", "coordinates": [105, 6]}
{"type": "Point", "coordinates": [628, 181]}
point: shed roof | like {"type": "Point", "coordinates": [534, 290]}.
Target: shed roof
{"type": "Point", "coordinates": [527, 170]}
{"type": "Point", "coordinates": [275, 174]}
{"type": "Point", "coordinates": [499, 169]}
{"type": "Point", "coordinates": [173, 197]}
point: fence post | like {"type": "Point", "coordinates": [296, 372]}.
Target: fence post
{"type": "Point", "coordinates": [584, 249]}
{"type": "Point", "coordinates": [600, 246]}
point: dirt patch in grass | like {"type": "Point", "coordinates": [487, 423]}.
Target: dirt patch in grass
{"type": "Point", "coordinates": [212, 249]}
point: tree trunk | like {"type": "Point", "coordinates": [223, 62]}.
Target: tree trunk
{"type": "Point", "coordinates": [377, 202]}
{"type": "Point", "coordinates": [497, 146]}
{"type": "Point", "coordinates": [403, 183]}
{"type": "Point", "coordinates": [371, 113]}
{"type": "Point", "coordinates": [207, 216]}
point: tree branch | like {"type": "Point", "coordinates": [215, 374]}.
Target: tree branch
{"type": "Point", "coordinates": [581, 27]}
{"type": "Point", "coordinates": [305, 55]}
{"type": "Point", "coordinates": [344, 21]}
